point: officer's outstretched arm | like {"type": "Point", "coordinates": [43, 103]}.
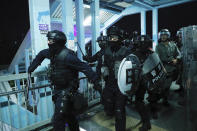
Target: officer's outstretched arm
{"type": "Point", "coordinates": [75, 63]}
{"type": "Point", "coordinates": [38, 60]}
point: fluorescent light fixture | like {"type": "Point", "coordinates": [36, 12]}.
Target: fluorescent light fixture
{"type": "Point", "coordinates": [123, 4]}
{"type": "Point", "coordinates": [86, 6]}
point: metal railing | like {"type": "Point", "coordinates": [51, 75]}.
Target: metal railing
{"type": "Point", "coordinates": [18, 113]}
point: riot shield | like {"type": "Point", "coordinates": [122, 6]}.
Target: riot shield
{"type": "Point", "coordinates": [189, 52]}
{"type": "Point", "coordinates": [153, 71]}
{"type": "Point", "coordinates": [128, 75]}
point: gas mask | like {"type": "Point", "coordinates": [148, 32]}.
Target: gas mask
{"type": "Point", "coordinates": [54, 47]}
{"type": "Point", "coordinates": [114, 41]}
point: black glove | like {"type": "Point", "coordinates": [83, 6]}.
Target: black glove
{"type": "Point", "coordinates": [85, 58]}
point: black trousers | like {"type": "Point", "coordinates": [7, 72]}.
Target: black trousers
{"type": "Point", "coordinates": [64, 115]}
{"type": "Point", "coordinates": [140, 106]}
{"type": "Point", "coordinates": [114, 104]}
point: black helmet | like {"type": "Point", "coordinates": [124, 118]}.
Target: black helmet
{"type": "Point", "coordinates": [57, 36]}
{"type": "Point", "coordinates": [144, 42]}
{"type": "Point", "coordinates": [164, 32]}
{"type": "Point", "coordinates": [102, 41]}
{"type": "Point", "coordinates": [102, 38]}
{"type": "Point", "coordinates": [114, 31]}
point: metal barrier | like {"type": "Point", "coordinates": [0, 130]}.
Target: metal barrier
{"type": "Point", "coordinates": [16, 113]}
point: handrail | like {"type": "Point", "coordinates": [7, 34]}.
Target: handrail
{"type": "Point", "coordinates": [20, 76]}
{"type": "Point", "coordinates": [39, 107]}
{"type": "Point", "coordinates": [22, 90]}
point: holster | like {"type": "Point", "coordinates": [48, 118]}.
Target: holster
{"type": "Point", "coordinates": [79, 102]}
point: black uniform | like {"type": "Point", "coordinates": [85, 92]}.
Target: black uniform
{"type": "Point", "coordinates": [64, 75]}
{"type": "Point", "coordinates": [114, 102]}
{"type": "Point", "coordinates": [142, 88]}
{"type": "Point", "coordinates": [102, 42]}
{"type": "Point", "coordinates": [142, 50]}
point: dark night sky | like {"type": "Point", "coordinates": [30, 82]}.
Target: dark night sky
{"type": "Point", "coordinates": [172, 18]}
{"type": "Point", "coordinates": [14, 23]}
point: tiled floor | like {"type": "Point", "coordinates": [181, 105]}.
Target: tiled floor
{"type": "Point", "coordinates": [173, 118]}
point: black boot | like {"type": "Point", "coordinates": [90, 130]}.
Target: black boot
{"type": "Point", "coordinates": [154, 110]}
{"type": "Point", "coordinates": [145, 126]}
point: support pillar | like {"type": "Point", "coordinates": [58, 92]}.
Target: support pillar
{"type": "Point", "coordinates": [80, 39]}
{"type": "Point", "coordinates": [95, 25]}
{"type": "Point", "coordinates": [40, 24]}
{"type": "Point", "coordinates": [155, 27]}
{"type": "Point", "coordinates": [39, 12]}
{"type": "Point", "coordinates": [67, 22]}
{"type": "Point", "coordinates": [80, 27]}
{"type": "Point", "coordinates": [143, 22]}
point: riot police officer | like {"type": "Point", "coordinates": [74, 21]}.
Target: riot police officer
{"type": "Point", "coordinates": [114, 102]}
{"type": "Point", "coordinates": [135, 76]}
{"type": "Point", "coordinates": [180, 66]}
{"type": "Point", "coordinates": [142, 50]}
{"type": "Point", "coordinates": [179, 39]}
{"type": "Point", "coordinates": [102, 41]}
{"type": "Point", "coordinates": [170, 56]}
{"type": "Point", "coordinates": [64, 74]}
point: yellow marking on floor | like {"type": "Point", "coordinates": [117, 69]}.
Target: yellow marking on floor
{"type": "Point", "coordinates": [109, 123]}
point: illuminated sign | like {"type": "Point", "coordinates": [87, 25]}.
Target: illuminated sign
{"type": "Point", "coordinates": [44, 28]}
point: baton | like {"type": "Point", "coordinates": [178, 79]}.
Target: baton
{"type": "Point", "coordinates": [80, 49]}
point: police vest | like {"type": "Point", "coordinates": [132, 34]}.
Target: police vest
{"type": "Point", "coordinates": [60, 73]}
{"type": "Point", "coordinates": [113, 59]}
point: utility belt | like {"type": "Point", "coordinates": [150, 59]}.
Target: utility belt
{"type": "Point", "coordinates": [59, 92]}
{"type": "Point", "coordinates": [75, 99]}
